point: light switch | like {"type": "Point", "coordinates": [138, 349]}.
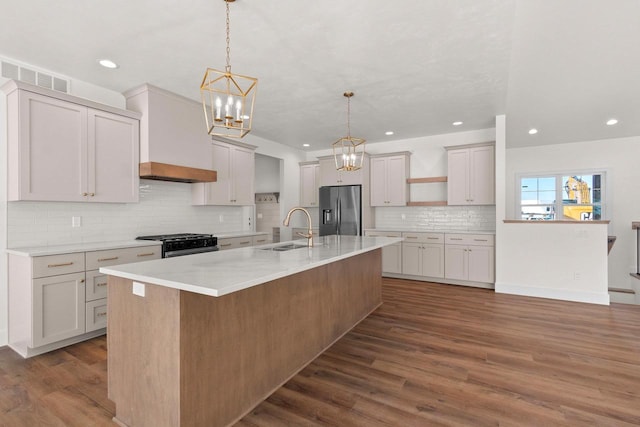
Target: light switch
{"type": "Point", "coordinates": [138, 289]}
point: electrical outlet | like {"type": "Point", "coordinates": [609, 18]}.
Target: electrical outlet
{"type": "Point", "coordinates": [221, 218]}
{"type": "Point", "coordinates": [403, 216]}
{"type": "Point", "coordinates": [577, 275]}
{"type": "Point", "coordinates": [138, 289]}
{"type": "Point", "coordinates": [76, 221]}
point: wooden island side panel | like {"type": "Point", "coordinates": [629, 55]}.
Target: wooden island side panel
{"type": "Point", "coordinates": [228, 353]}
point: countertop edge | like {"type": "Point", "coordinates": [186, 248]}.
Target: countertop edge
{"type": "Point", "coordinates": [558, 221]}
{"type": "Point", "coordinates": [37, 251]}
{"type": "Point", "coordinates": [242, 285]}
{"type": "Point", "coordinates": [405, 230]}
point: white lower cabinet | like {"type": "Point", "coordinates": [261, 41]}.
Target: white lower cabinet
{"type": "Point", "coordinates": [391, 255]}
{"type": "Point", "coordinates": [225, 243]}
{"type": "Point", "coordinates": [458, 258]}
{"type": "Point", "coordinates": [470, 257]}
{"type": "Point", "coordinates": [423, 254]}
{"type": "Point", "coordinates": [58, 308]}
{"type": "Point", "coordinates": [57, 300]}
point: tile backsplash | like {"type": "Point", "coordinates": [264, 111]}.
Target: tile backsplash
{"type": "Point", "coordinates": [462, 218]}
{"type": "Point", "coordinates": [164, 207]}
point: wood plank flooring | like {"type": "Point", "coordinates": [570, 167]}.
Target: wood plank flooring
{"type": "Point", "coordinates": [432, 355]}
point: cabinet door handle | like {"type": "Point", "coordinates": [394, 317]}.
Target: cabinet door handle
{"type": "Point", "coordinates": [59, 265]}
{"type": "Point", "coordinates": [81, 280]}
{"type": "Point", "coordinates": [101, 314]}
{"type": "Point", "coordinates": [85, 194]}
{"type": "Point", "coordinates": [107, 259]}
{"type": "Point", "coordinates": [147, 254]}
{"type": "Point", "coordinates": [92, 194]}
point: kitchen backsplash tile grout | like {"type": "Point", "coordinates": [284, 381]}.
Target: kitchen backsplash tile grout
{"type": "Point", "coordinates": [164, 207]}
{"type": "Point", "coordinates": [450, 218]}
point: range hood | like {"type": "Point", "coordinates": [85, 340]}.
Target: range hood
{"type": "Point", "coordinates": [176, 173]}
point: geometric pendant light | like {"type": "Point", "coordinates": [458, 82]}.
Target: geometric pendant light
{"type": "Point", "coordinates": [348, 151]}
{"type": "Point", "coordinates": [227, 99]}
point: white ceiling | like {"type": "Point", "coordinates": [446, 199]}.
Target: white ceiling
{"type": "Point", "coordinates": [564, 67]}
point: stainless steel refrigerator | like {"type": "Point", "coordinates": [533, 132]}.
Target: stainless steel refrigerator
{"type": "Point", "coordinates": [341, 210]}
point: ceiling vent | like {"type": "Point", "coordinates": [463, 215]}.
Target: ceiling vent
{"type": "Point", "coordinates": [23, 74]}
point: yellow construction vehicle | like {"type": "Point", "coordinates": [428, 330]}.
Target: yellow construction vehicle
{"type": "Point", "coordinates": [578, 194]}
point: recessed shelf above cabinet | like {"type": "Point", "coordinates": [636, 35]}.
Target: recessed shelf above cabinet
{"type": "Point", "coordinates": [427, 180]}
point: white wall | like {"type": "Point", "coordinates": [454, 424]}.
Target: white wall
{"type": "Point", "coordinates": [618, 157]}
{"type": "Point", "coordinates": [267, 178]}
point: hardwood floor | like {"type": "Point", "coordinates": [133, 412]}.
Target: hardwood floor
{"type": "Point", "coordinates": [432, 355]}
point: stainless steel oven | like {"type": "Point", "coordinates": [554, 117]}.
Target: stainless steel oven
{"type": "Point", "coordinates": [184, 244]}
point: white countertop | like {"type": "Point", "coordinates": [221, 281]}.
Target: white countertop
{"type": "Point", "coordinates": [79, 247]}
{"type": "Point", "coordinates": [224, 272]}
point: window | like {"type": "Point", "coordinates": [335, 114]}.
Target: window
{"type": "Point", "coordinates": [567, 196]}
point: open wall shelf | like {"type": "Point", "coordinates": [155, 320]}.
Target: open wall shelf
{"type": "Point", "coordinates": [427, 180]}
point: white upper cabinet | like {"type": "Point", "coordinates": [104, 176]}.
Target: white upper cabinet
{"type": "Point", "coordinates": [471, 175]}
{"type": "Point", "coordinates": [329, 175]}
{"type": "Point", "coordinates": [389, 175]}
{"type": "Point", "coordinates": [63, 148]}
{"type": "Point", "coordinates": [309, 183]}
{"type": "Point", "coordinates": [235, 165]}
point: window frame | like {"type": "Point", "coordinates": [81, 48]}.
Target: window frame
{"type": "Point", "coordinates": [559, 188]}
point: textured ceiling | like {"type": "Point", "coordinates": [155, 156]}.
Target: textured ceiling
{"type": "Point", "coordinates": [415, 65]}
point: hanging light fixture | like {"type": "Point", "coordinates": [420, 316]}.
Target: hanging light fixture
{"type": "Point", "coordinates": [348, 151]}
{"type": "Point", "coordinates": [227, 99]}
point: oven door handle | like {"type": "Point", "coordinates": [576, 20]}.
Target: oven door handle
{"type": "Point", "coordinates": [171, 254]}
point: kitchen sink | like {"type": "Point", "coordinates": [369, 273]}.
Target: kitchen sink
{"type": "Point", "coordinates": [285, 247]}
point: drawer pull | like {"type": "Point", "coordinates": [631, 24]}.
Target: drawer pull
{"type": "Point", "coordinates": [226, 244]}
{"type": "Point", "coordinates": [260, 241]}
{"type": "Point", "coordinates": [480, 240]}
{"type": "Point", "coordinates": [147, 254]}
{"type": "Point", "coordinates": [411, 237]}
{"type": "Point", "coordinates": [107, 259]}
{"type": "Point", "coordinates": [101, 284]}
{"type": "Point", "coordinates": [101, 314]}
{"type": "Point", "coordinates": [244, 243]}
{"type": "Point", "coordinates": [59, 265]}
{"type": "Point", "coordinates": [433, 238]}
{"type": "Point", "coordinates": [454, 238]}
{"type": "Point", "coordinates": [391, 236]}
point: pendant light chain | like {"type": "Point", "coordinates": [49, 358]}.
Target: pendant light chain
{"type": "Point", "coordinates": [349, 117]}
{"type": "Point", "coordinates": [228, 68]}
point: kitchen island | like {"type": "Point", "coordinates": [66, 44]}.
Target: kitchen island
{"type": "Point", "coordinates": [200, 340]}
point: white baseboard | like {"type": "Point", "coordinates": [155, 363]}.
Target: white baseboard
{"type": "Point", "coordinates": [559, 294]}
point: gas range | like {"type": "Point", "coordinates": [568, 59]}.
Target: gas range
{"type": "Point", "coordinates": [184, 244]}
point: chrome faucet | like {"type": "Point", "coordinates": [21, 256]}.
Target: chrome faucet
{"type": "Point", "coordinates": [309, 235]}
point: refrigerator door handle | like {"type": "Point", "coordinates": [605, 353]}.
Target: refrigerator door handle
{"type": "Point", "coordinates": [338, 214]}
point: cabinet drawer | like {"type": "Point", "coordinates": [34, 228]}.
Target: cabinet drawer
{"type": "Point", "coordinates": [470, 239]}
{"type": "Point", "coordinates": [376, 233]}
{"type": "Point", "coordinates": [53, 265]}
{"type": "Point", "coordinates": [235, 242]}
{"type": "Point", "coordinates": [423, 237]}
{"type": "Point", "coordinates": [261, 239]}
{"type": "Point", "coordinates": [96, 314]}
{"type": "Point", "coordinates": [97, 259]}
{"type": "Point", "coordinates": [96, 285]}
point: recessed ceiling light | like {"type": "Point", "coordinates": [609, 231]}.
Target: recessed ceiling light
{"type": "Point", "coordinates": [107, 63]}
{"type": "Point", "coordinates": [389, 132]}
{"type": "Point", "coordinates": [456, 123]}
{"type": "Point", "coordinates": [612, 122]}
{"type": "Point", "coordinates": [533, 131]}
{"type": "Point", "coordinates": [306, 145]}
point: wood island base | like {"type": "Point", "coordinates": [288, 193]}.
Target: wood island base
{"type": "Point", "coordinates": [177, 358]}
